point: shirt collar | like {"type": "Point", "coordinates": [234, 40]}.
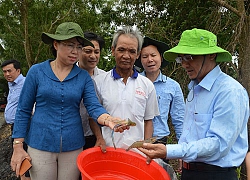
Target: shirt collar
{"type": "Point", "coordinates": [95, 69]}
{"type": "Point", "coordinates": [48, 70]}
{"type": "Point", "coordinates": [117, 76]}
{"type": "Point", "coordinates": [17, 80]}
{"type": "Point", "coordinates": [208, 81]}
{"type": "Point", "coordinates": [160, 78]}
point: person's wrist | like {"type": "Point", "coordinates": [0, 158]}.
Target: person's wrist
{"type": "Point", "coordinates": [106, 120]}
{"type": "Point", "coordinates": [16, 142]}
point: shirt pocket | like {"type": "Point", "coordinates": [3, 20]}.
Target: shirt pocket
{"type": "Point", "coordinates": [139, 105]}
{"type": "Point", "coordinates": [202, 123]}
{"type": "Point", "coordinates": [164, 102]}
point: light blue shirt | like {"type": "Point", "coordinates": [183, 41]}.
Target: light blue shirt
{"type": "Point", "coordinates": [215, 123]}
{"type": "Point", "coordinates": [170, 101]}
{"type": "Point", "coordinates": [15, 88]}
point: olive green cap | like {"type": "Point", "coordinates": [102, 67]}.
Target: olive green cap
{"type": "Point", "coordinates": [64, 31]}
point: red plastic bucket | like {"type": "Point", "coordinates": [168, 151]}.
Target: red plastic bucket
{"type": "Point", "coordinates": [117, 164]}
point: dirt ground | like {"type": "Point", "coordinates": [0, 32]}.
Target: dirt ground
{"type": "Point", "coordinates": [5, 153]}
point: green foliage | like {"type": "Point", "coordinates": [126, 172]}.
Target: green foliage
{"type": "Point", "coordinates": [162, 20]}
{"type": "Point", "coordinates": [238, 172]}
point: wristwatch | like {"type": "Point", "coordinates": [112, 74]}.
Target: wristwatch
{"type": "Point", "coordinates": [17, 142]}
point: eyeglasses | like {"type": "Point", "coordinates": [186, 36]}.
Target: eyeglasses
{"type": "Point", "coordinates": [71, 47]}
{"type": "Point", "coordinates": [186, 58]}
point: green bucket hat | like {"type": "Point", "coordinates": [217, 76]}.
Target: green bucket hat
{"type": "Point", "coordinates": [198, 42]}
{"type": "Point", "coordinates": [64, 31]}
{"type": "Point", "coordinates": [161, 47]}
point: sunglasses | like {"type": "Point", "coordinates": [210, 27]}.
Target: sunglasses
{"type": "Point", "coordinates": [186, 58]}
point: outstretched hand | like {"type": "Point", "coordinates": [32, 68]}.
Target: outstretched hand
{"type": "Point", "coordinates": [117, 124]}
{"type": "Point", "coordinates": [114, 123]}
{"type": "Point", "coordinates": [153, 151]}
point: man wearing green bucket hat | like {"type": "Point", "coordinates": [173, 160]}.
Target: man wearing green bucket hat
{"type": "Point", "coordinates": [214, 138]}
{"type": "Point", "coordinates": [54, 133]}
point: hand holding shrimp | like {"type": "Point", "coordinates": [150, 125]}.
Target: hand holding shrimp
{"type": "Point", "coordinates": [152, 140]}
{"type": "Point", "coordinates": [153, 151]}
{"type": "Point", "coordinates": [115, 123]}
{"type": "Point", "coordinates": [121, 123]}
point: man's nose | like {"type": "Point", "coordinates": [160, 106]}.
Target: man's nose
{"type": "Point", "coordinates": [126, 54]}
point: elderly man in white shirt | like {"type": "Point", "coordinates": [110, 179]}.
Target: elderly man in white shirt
{"type": "Point", "coordinates": [125, 93]}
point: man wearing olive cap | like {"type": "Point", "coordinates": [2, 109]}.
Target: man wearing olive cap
{"type": "Point", "coordinates": [214, 138]}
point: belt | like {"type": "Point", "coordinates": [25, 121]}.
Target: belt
{"type": "Point", "coordinates": [197, 166]}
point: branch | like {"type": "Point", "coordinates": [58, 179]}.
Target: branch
{"type": "Point", "coordinates": [52, 24]}
{"type": "Point", "coordinates": [229, 7]}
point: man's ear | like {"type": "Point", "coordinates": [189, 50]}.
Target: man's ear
{"type": "Point", "coordinates": [212, 56]}
{"type": "Point", "coordinates": [113, 51]}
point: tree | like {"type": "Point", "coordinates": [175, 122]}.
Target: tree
{"type": "Point", "coordinates": [240, 37]}
{"type": "Point", "coordinates": [24, 21]}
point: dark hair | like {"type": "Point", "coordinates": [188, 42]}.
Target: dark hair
{"type": "Point", "coordinates": [15, 63]}
{"type": "Point", "coordinates": [94, 37]}
{"type": "Point", "coordinates": [53, 50]}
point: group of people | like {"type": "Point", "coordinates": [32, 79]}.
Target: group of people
{"type": "Point", "coordinates": [77, 109]}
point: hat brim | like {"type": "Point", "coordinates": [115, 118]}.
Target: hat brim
{"type": "Point", "coordinates": [161, 47]}
{"type": "Point", "coordinates": [222, 55]}
{"type": "Point", "coordinates": [48, 38]}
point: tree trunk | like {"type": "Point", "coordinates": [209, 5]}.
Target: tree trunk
{"type": "Point", "coordinates": [244, 64]}
{"type": "Point", "coordinates": [27, 45]}
{"type": "Point", "coordinates": [244, 54]}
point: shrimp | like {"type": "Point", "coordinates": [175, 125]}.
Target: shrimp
{"type": "Point", "coordinates": [138, 144]}
{"type": "Point", "coordinates": [152, 140]}
{"type": "Point", "coordinates": [124, 122]}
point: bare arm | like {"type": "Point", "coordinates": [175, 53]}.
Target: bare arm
{"type": "Point", "coordinates": [148, 129]}
{"type": "Point", "coordinates": [247, 160]}
{"type": "Point", "coordinates": [97, 132]}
